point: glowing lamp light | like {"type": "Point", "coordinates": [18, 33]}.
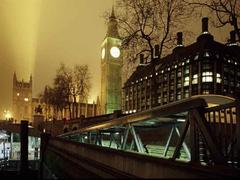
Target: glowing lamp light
{"type": "Point", "coordinates": [26, 99]}
{"type": "Point", "coordinates": [8, 115]}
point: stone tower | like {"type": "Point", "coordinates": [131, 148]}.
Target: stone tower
{"type": "Point", "coordinates": [111, 68]}
{"type": "Point", "coordinates": [22, 99]}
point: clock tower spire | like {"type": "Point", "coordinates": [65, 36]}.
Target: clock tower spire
{"type": "Point", "coordinates": [112, 30]}
{"type": "Point", "coordinates": [111, 68]}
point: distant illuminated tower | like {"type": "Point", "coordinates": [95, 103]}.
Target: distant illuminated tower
{"type": "Point", "coordinates": [111, 68]}
{"type": "Point", "coordinates": [22, 99]}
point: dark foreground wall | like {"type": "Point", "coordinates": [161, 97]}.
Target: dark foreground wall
{"type": "Point", "coordinates": [75, 160]}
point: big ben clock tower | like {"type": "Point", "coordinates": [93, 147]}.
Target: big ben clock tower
{"type": "Point", "coordinates": [111, 68]}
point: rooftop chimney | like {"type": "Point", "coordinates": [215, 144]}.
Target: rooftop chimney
{"type": "Point", "coordinates": [205, 25]}
{"type": "Point", "coordinates": [141, 59]}
{"type": "Point", "coordinates": [179, 39]}
{"type": "Point", "coordinates": [156, 51]}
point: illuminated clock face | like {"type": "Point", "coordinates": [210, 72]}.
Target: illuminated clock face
{"type": "Point", "coordinates": [103, 53]}
{"type": "Point", "coordinates": [115, 52]}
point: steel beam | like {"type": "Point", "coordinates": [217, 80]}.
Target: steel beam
{"type": "Point", "coordinates": [168, 142]}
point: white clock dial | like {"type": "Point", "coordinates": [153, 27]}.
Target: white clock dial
{"type": "Point", "coordinates": [103, 53]}
{"type": "Point", "coordinates": [115, 52]}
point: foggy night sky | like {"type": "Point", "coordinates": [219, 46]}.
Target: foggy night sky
{"type": "Point", "coordinates": [37, 35]}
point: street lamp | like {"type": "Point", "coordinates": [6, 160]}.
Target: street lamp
{"type": "Point", "coordinates": [7, 114]}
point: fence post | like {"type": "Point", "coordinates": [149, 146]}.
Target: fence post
{"type": "Point", "coordinates": [193, 138]}
{"type": "Point", "coordinates": [24, 148]}
{"type": "Point", "coordinates": [44, 141]}
{"type": "Point", "coordinates": [238, 126]}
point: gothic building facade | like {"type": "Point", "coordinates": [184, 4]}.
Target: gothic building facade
{"type": "Point", "coordinates": [111, 68]}
{"type": "Point", "coordinates": [24, 104]}
{"type": "Point", "coordinates": [204, 68]}
{"type": "Point", "coordinates": [22, 99]}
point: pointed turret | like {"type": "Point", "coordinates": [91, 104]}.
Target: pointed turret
{"type": "Point", "coordinates": [14, 77]}
{"type": "Point", "coordinates": [112, 26]}
{"type": "Point", "coordinates": [113, 14]}
{"type": "Point", "coordinates": [30, 82]}
{"type": "Point", "coordinates": [14, 80]}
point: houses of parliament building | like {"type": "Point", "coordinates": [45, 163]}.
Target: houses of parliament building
{"type": "Point", "coordinates": [24, 104]}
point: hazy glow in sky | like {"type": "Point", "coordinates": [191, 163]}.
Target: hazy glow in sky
{"type": "Point", "coordinates": [37, 35]}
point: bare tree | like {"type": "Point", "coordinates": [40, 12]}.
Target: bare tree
{"type": "Point", "coordinates": [61, 90]}
{"type": "Point", "coordinates": [69, 85]}
{"type": "Point", "coordinates": [144, 23]}
{"type": "Point", "coordinates": [80, 85]}
{"type": "Point", "coordinates": [46, 97]}
{"type": "Point", "coordinates": [226, 11]}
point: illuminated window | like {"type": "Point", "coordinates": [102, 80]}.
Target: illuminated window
{"type": "Point", "coordinates": [206, 54]}
{"type": "Point", "coordinates": [186, 70]}
{"type": "Point", "coordinates": [196, 57]}
{"type": "Point", "coordinates": [207, 77]}
{"type": "Point", "coordinates": [159, 99]}
{"type": "Point", "coordinates": [186, 81]}
{"type": "Point", "coordinates": [26, 99]}
{"type": "Point", "coordinates": [165, 97]}
{"type": "Point", "coordinates": [219, 79]}
{"type": "Point", "coordinates": [205, 91]}
{"type": "Point", "coordinates": [195, 79]}
{"type": "Point", "coordinates": [186, 93]}
{"type": "Point", "coordinates": [179, 95]}
{"type": "Point", "coordinates": [179, 74]}
{"type": "Point", "coordinates": [179, 83]}
{"type": "Point", "coordinates": [171, 97]}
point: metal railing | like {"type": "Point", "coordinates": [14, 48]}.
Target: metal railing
{"type": "Point", "coordinates": [196, 127]}
{"type": "Point", "coordinates": [224, 123]}
{"type": "Point", "coordinates": [192, 109]}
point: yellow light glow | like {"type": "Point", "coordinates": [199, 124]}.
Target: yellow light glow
{"type": "Point", "coordinates": [18, 94]}
{"type": "Point", "coordinates": [115, 52]}
{"type": "Point", "coordinates": [26, 99]}
{"type": "Point", "coordinates": [8, 115]}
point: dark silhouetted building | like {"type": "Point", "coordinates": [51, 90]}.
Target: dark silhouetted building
{"type": "Point", "coordinates": [205, 67]}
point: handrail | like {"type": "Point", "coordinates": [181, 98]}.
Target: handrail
{"type": "Point", "coordinates": [125, 162]}
{"type": "Point", "coordinates": [161, 111]}
{"type": "Point", "coordinates": [220, 107]}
